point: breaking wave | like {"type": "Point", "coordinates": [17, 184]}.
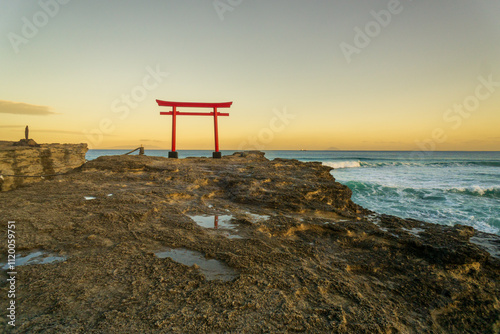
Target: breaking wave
{"type": "Point", "coordinates": [473, 205]}
{"type": "Point", "coordinates": [422, 193]}
{"type": "Point", "coordinates": [342, 164]}
{"type": "Point", "coordinates": [491, 192]}
{"type": "Point", "coordinates": [372, 164]}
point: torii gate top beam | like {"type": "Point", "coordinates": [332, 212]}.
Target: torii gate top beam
{"type": "Point", "coordinates": [194, 104]}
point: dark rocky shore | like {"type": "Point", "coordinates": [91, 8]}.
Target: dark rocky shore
{"type": "Point", "coordinates": [304, 257]}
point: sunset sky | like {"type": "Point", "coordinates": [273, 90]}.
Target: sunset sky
{"type": "Point", "coordinates": [337, 74]}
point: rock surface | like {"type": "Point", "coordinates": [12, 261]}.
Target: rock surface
{"type": "Point", "coordinates": [29, 163]}
{"type": "Point", "coordinates": [26, 142]}
{"type": "Point", "coordinates": [308, 259]}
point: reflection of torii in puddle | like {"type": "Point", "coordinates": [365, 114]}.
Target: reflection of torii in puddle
{"type": "Point", "coordinates": [224, 230]}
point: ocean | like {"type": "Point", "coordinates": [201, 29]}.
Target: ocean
{"type": "Point", "coordinates": [445, 188]}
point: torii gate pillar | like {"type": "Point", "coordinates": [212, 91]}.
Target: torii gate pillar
{"type": "Point", "coordinates": [174, 154]}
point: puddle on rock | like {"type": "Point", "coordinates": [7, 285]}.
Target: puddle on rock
{"type": "Point", "coordinates": [488, 242]}
{"type": "Point", "coordinates": [386, 230]}
{"type": "Point", "coordinates": [414, 231]}
{"type": "Point", "coordinates": [211, 268]}
{"type": "Point", "coordinates": [221, 223]}
{"type": "Point", "coordinates": [256, 217]}
{"type": "Point", "coordinates": [215, 221]}
{"type": "Point", "coordinates": [37, 257]}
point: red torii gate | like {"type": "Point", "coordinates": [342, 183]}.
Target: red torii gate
{"type": "Point", "coordinates": [175, 113]}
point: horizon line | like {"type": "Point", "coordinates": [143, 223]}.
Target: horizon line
{"type": "Point", "coordinates": [291, 150]}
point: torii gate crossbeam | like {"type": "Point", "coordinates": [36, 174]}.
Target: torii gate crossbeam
{"type": "Point", "coordinates": [174, 113]}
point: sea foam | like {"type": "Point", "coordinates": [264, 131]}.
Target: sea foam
{"type": "Point", "coordinates": [493, 191]}
{"type": "Point", "coordinates": [343, 164]}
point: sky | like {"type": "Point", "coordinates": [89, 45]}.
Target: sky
{"type": "Point", "coordinates": [316, 75]}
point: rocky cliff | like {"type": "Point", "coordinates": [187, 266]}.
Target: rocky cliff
{"type": "Point", "coordinates": [20, 165]}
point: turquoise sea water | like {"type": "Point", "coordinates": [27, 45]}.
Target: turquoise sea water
{"type": "Point", "coordinates": [439, 187]}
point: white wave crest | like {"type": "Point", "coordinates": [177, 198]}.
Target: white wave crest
{"type": "Point", "coordinates": [342, 164]}
{"type": "Point", "coordinates": [476, 189]}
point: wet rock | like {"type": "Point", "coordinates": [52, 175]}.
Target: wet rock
{"type": "Point", "coordinates": [310, 259]}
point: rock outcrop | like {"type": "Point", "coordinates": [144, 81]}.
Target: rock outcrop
{"type": "Point", "coordinates": [306, 258]}
{"type": "Point", "coordinates": [24, 164]}
{"type": "Point", "coordinates": [26, 142]}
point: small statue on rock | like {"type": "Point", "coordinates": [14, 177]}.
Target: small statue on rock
{"type": "Point", "coordinates": [26, 141]}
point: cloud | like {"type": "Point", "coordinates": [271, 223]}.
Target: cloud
{"type": "Point", "coordinates": [79, 133]}
{"type": "Point", "coordinates": [19, 108]}
{"type": "Point", "coordinates": [32, 130]}
{"type": "Point", "coordinates": [59, 131]}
